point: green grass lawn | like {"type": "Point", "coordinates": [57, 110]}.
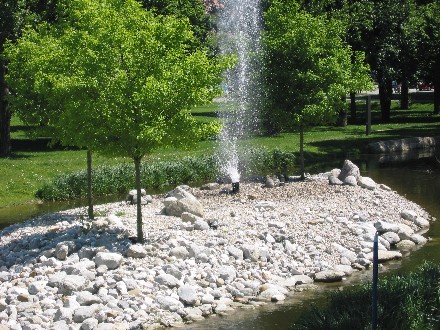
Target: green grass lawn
{"type": "Point", "coordinates": [32, 162]}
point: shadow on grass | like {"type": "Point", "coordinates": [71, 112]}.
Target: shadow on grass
{"type": "Point", "coordinates": [36, 145]}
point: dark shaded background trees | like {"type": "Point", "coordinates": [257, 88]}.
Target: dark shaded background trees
{"type": "Point", "coordinates": [14, 15]}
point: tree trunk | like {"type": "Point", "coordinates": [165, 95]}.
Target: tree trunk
{"type": "Point", "coordinates": [385, 92]}
{"type": "Point", "coordinates": [140, 233]}
{"type": "Point", "coordinates": [5, 115]}
{"type": "Point", "coordinates": [436, 100]}
{"type": "Point", "coordinates": [353, 108]}
{"type": "Point", "coordinates": [404, 95]}
{"type": "Point", "coordinates": [436, 82]}
{"type": "Point", "coordinates": [89, 185]}
{"type": "Point", "coordinates": [301, 151]}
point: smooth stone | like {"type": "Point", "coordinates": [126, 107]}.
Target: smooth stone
{"type": "Point", "coordinates": [108, 259]}
{"type": "Point", "coordinates": [136, 251]}
{"type": "Point", "coordinates": [329, 276]}
{"type": "Point", "coordinates": [405, 245]}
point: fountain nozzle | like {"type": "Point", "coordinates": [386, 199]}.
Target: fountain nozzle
{"type": "Point", "coordinates": [235, 187]}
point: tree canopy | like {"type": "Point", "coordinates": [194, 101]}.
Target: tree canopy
{"type": "Point", "coordinates": [309, 67]}
{"type": "Point", "coordinates": [114, 78]}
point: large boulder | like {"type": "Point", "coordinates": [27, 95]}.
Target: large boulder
{"type": "Point", "coordinates": [349, 169]}
{"type": "Point", "coordinates": [111, 260]}
{"type": "Point", "coordinates": [179, 201]}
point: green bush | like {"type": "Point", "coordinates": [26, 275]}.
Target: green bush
{"type": "Point", "coordinates": [404, 302]}
{"type": "Point", "coordinates": [114, 179]}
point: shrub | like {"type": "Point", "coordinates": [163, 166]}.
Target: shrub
{"type": "Point", "coordinates": [114, 179]}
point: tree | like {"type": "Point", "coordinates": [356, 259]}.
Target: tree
{"type": "Point", "coordinates": [116, 79]}
{"type": "Point", "coordinates": [430, 49]}
{"type": "Point", "coordinates": [14, 15]}
{"type": "Point", "coordinates": [308, 69]}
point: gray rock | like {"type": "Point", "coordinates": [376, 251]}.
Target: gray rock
{"type": "Point", "coordinates": [87, 252]}
{"type": "Point", "coordinates": [61, 251]}
{"type": "Point", "coordinates": [367, 183]}
{"type": "Point", "coordinates": [64, 314]}
{"type": "Point", "coordinates": [405, 245]}
{"type": "Point", "coordinates": [271, 294]}
{"type": "Point", "coordinates": [84, 312]}
{"type": "Point", "coordinates": [385, 255]}
{"type": "Point", "coordinates": [349, 169]}
{"type": "Point", "coordinates": [196, 250]}
{"type": "Point", "coordinates": [383, 227]}
{"type": "Point", "coordinates": [302, 279]}
{"type": "Point", "coordinates": [136, 251]}
{"type": "Point", "coordinates": [86, 298]}
{"type": "Point", "coordinates": [189, 217]}
{"type": "Point", "coordinates": [391, 237]}
{"type": "Point", "coordinates": [235, 252]}
{"type": "Point", "coordinates": [185, 202]}
{"type": "Point", "coordinates": [334, 181]}
{"type": "Point", "coordinates": [408, 215]}
{"type": "Point", "coordinates": [201, 225]}
{"type": "Point", "coordinates": [66, 284]}
{"type": "Point", "coordinates": [269, 182]}
{"type": "Point", "coordinates": [418, 239]}
{"type": "Point", "coordinates": [37, 287]}
{"type": "Point", "coordinates": [227, 273]}
{"type": "Point", "coordinates": [167, 279]}
{"type": "Point", "coordinates": [108, 259]}
{"type": "Point", "coordinates": [5, 276]}
{"type": "Point", "coordinates": [180, 252]}
{"type": "Point", "coordinates": [347, 270]}
{"type": "Point", "coordinates": [251, 252]}
{"type": "Point", "coordinates": [207, 299]}
{"type": "Point", "coordinates": [350, 181]}
{"type": "Point", "coordinates": [405, 232]}
{"type": "Point", "coordinates": [89, 324]}
{"type": "Point", "coordinates": [188, 294]}
{"type": "Point", "coordinates": [60, 325]}
{"type": "Point", "coordinates": [169, 303]}
{"type": "Point", "coordinates": [173, 270]}
{"type": "Point", "coordinates": [329, 276]}
{"type": "Point", "coordinates": [265, 205]}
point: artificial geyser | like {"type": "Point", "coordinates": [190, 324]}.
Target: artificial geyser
{"type": "Point", "coordinates": [239, 34]}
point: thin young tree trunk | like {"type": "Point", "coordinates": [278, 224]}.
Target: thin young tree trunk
{"type": "Point", "coordinates": [353, 108]}
{"type": "Point", "coordinates": [89, 185]}
{"type": "Point", "coordinates": [5, 115]}
{"type": "Point", "coordinates": [301, 151]}
{"type": "Point", "coordinates": [140, 233]}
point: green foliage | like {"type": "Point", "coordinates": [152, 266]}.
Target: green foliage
{"type": "Point", "coordinates": [124, 76]}
{"type": "Point", "coordinates": [263, 161]}
{"type": "Point", "coordinates": [308, 67]}
{"type": "Point", "coordinates": [404, 302]}
{"type": "Point", "coordinates": [120, 178]}
{"type": "Point", "coordinates": [117, 179]}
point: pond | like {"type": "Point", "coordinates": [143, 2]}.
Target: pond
{"type": "Point", "coordinates": [418, 180]}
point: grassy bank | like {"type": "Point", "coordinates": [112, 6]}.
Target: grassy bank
{"type": "Point", "coordinates": [33, 164]}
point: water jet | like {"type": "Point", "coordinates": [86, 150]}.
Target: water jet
{"type": "Point", "coordinates": [239, 29]}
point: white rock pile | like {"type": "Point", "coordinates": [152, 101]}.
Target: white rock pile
{"type": "Point", "coordinates": [205, 252]}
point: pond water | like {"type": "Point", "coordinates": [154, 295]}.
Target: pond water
{"type": "Point", "coordinates": [418, 180]}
